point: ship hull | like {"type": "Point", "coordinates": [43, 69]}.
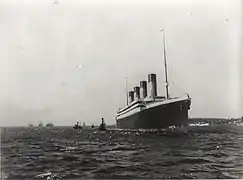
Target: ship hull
{"type": "Point", "coordinates": [160, 116]}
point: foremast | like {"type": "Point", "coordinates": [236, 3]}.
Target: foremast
{"type": "Point", "coordinates": [165, 65]}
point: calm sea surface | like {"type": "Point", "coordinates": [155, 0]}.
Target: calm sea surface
{"type": "Point", "coordinates": [214, 151]}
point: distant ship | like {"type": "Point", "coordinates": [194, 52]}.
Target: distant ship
{"type": "Point", "coordinates": [146, 110]}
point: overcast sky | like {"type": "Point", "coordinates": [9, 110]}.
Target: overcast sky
{"type": "Point", "coordinates": [66, 60]}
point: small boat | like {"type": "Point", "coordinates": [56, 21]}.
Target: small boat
{"type": "Point", "coordinates": [31, 125]}
{"type": "Point", "coordinates": [102, 125]}
{"type": "Point", "coordinates": [49, 125]}
{"type": "Point", "coordinates": [77, 126]}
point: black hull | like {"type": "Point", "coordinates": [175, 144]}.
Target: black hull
{"type": "Point", "coordinates": [161, 116]}
{"type": "Point", "coordinates": [77, 127]}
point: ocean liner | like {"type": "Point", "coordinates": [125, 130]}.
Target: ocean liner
{"type": "Point", "coordinates": [146, 110]}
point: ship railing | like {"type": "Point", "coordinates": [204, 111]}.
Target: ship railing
{"type": "Point", "coordinates": [133, 104]}
{"type": "Point", "coordinates": [182, 96]}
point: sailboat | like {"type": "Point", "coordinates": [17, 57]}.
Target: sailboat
{"type": "Point", "coordinates": [40, 125]}
{"type": "Point", "coordinates": [147, 110]}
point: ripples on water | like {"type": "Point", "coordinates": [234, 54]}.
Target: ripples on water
{"type": "Point", "coordinates": [213, 151]}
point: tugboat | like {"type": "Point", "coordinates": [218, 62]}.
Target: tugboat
{"type": "Point", "coordinates": [77, 126]}
{"type": "Point", "coordinates": [102, 125]}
